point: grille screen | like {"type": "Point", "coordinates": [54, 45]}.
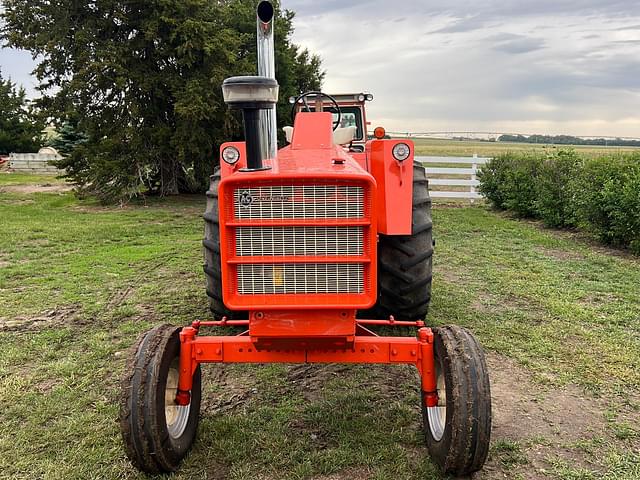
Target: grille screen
{"type": "Point", "coordinates": [300, 278]}
{"type": "Point", "coordinates": [299, 201]}
{"type": "Point", "coordinates": [292, 241]}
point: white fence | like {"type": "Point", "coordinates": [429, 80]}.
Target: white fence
{"type": "Point", "coordinates": [452, 175]}
{"type": "Point", "coordinates": [33, 162]}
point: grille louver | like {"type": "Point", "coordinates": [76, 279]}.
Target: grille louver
{"type": "Point", "coordinates": [295, 241]}
{"type": "Point", "coordinates": [302, 201]}
{"type": "Point", "coordinates": [300, 278]}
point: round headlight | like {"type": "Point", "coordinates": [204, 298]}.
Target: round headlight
{"type": "Point", "coordinates": [361, 97]}
{"type": "Point", "coordinates": [401, 152]}
{"type": "Point", "coordinates": [231, 155]}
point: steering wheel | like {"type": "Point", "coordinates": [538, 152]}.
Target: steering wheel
{"type": "Point", "coordinates": [307, 108]}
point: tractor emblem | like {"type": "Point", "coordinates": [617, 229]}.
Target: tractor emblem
{"type": "Point", "coordinates": [246, 199]}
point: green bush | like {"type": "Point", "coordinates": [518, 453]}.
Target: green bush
{"type": "Point", "coordinates": [493, 179]}
{"type": "Point", "coordinates": [606, 199]}
{"type": "Point", "coordinates": [508, 181]}
{"type": "Point", "coordinates": [562, 189]}
{"type": "Point", "coordinates": [554, 196]}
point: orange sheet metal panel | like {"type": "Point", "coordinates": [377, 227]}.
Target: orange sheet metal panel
{"type": "Point", "coordinates": [305, 326]}
{"type": "Point", "coordinates": [312, 131]}
{"type": "Point", "coordinates": [395, 187]}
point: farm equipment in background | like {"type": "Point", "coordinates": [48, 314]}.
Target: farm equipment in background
{"type": "Point", "coordinates": [307, 250]}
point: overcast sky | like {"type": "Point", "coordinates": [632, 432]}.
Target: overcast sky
{"type": "Point", "coordinates": [539, 66]}
{"type": "Point", "coordinates": [542, 66]}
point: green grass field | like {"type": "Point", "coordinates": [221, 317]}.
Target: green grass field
{"type": "Point", "coordinates": [452, 148]}
{"type": "Point", "coordinates": [559, 317]}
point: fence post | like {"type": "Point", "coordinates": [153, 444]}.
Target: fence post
{"type": "Point", "coordinates": [474, 168]}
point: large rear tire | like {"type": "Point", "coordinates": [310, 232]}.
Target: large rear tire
{"type": "Point", "coordinates": [157, 433]}
{"type": "Point", "coordinates": [458, 430]}
{"type": "Point", "coordinates": [405, 261]}
{"type": "Point", "coordinates": [212, 262]}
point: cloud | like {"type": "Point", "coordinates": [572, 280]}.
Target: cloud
{"type": "Point", "coordinates": [515, 44]}
{"type": "Point", "coordinates": [463, 25]}
{"type": "Point", "coordinates": [630, 27]}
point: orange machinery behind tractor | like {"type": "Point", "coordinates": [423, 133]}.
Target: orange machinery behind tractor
{"type": "Point", "coordinates": [308, 250]}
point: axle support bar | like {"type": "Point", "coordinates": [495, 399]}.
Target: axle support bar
{"type": "Point", "coordinates": [195, 350]}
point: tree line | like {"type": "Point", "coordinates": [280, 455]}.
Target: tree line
{"type": "Point", "coordinates": [134, 87]}
{"type": "Point", "coordinates": [569, 140]}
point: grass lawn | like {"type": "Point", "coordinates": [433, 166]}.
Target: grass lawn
{"type": "Point", "coordinates": [452, 148]}
{"type": "Point", "coordinates": [559, 317]}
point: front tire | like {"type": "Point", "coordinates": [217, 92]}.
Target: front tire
{"type": "Point", "coordinates": [458, 430]}
{"type": "Point", "coordinates": [157, 433]}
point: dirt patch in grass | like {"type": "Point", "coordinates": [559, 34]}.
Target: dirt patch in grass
{"type": "Point", "coordinates": [540, 425]}
{"type": "Point", "coordinates": [41, 188]}
{"type": "Point", "coordinates": [45, 386]}
{"type": "Point", "coordinates": [351, 474]}
{"type": "Point", "coordinates": [563, 255]}
{"type": "Point", "coordinates": [310, 379]}
{"type": "Point", "coordinates": [598, 299]}
{"type": "Point", "coordinates": [448, 275]}
{"type": "Point", "coordinates": [47, 319]}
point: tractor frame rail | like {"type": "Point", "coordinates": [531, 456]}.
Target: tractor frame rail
{"type": "Point", "coordinates": [366, 347]}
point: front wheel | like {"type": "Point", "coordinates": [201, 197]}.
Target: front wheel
{"type": "Point", "coordinates": [157, 433]}
{"type": "Point", "coordinates": [458, 430]}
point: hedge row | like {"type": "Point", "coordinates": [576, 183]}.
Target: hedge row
{"type": "Point", "coordinates": [563, 189]}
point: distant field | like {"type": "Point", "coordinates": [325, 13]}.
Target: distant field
{"type": "Point", "coordinates": [452, 148]}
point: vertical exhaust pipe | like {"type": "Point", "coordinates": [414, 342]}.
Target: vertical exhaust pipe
{"type": "Point", "coordinates": [267, 68]}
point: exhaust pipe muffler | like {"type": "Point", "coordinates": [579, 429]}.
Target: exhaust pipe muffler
{"type": "Point", "coordinates": [267, 68]}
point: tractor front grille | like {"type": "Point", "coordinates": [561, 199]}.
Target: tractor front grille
{"type": "Point", "coordinates": [299, 201]}
{"type": "Point", "coordinates": [296, 241]}
{"type": "Point", "coordinates": [299, 244]}
{"type": "Point", "coordinates": [300, 278]}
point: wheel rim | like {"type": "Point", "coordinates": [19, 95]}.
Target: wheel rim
{"type": "Point", "coordinates": [437, 416]}
{"type": "Point", "coordinates": [176, 416]}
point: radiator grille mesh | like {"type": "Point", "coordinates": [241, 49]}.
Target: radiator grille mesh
{"type": "Point", "coordinates": [299, 201]}
{"type": "Point", "coordinates": [293, 241]}
{"type": "Point", "coordinates": [300, 278]}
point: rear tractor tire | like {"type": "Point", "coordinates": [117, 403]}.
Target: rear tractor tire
{"type": "Point", "coordinates": [458, 430]}
{"type": "Point", "coordinates": [405, 261]}
{"type": "Point", "coordinates": [157, 432]}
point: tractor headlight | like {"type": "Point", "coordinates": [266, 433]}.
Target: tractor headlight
{"type": "Point", "coordinates": [231, 155]}
{"type": "Point", "coordinates": [361, 97]}
{"type": "Point", "coordinates": [401, 152]}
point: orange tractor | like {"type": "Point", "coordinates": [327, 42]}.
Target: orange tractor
{"type": "Point", "coordinates": [308, 251]}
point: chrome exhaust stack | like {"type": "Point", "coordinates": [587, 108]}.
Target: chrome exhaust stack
{"type": "Point", "coordinates": [267, 68]}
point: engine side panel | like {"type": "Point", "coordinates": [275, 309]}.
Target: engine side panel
{"type": "Point", "coordinates": [395, 186]}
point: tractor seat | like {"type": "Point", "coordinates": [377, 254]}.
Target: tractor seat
{"type": "Point", "coordinates": [341, 136]}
